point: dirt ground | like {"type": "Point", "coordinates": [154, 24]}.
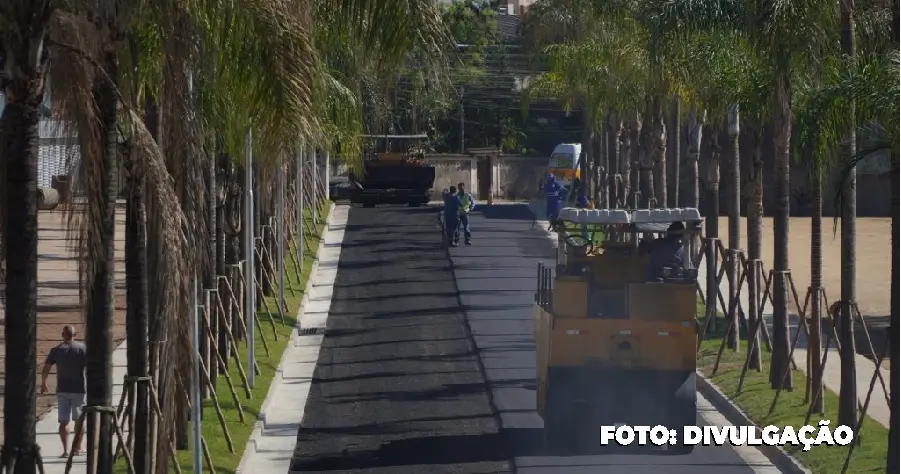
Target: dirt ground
{"type": "Point", "coordinates": [58, 299]}
{"type": "Point", "coordinates": [873, 267]}
{"type": "Point", "coordinates": [873, 258]}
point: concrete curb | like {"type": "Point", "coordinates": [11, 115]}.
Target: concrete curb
{"type": "Point", "coordinates": [315, 267]}
{"type": "Point", "coordinates": [260, 424]}
{"type": "Point", "coordinates": [782, 460]}
{"type": "Point", "coordinates": [733, 414]}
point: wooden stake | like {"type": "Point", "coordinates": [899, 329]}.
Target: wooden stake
{"type": "Point", "coordinates": [155, 405]}
{"type": "Point", "coordinates": [233, 351]}
{"type": "Point", "coordinates": [207, 457]}
{"type": "Point", "coordinates": [211, 339]}
{"type": "Point", "coordinates": [222, 423]}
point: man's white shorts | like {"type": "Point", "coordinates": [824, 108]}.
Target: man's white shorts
{"type": "Point", "coordinates": [70, 405]}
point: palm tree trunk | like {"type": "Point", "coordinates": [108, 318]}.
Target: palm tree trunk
{"type": "Point", "coordinates": [19, 142]}
{"type": "Point", "coordinates": [136, 320]}
{"type": "Point", "coordinates": [209, 269]}
{"type": "Point", "coordinates": [894, 444]}
{"type": "Point", "coordinates": [658, 147]}
{"type": "Point", "coordinates": [219, 229]}
{"type": "Point", "coordinates": [98, 334]}
{"type": "Point", "coordinates": [615, 149]}
{"type": "Point", "coordinates": [235, 245]}
{"type": "Point", "coordinates": [634, 155]}
{"type": "Point", "coordinates": [814, 347]}
{"type": "Point", "coordinates": [602, 168]}
{"type": "Point", "coordinates": [734, 223]}
{"type": "Point", "coordinates": [675, 150]}
{"type": "Point", "coordinates": [587, 152]}
{"type": "Point", "coordinates": [151, 343]}
{"type": "Point", "coordinates": [712, 222]}
{"type": "Point", "coordinates": [847, 403]}
{"type": "Point", "coordinates": [647, 155]}
{"type": "Point", "coordinates": [625, 163]}
{"type": "Point", "coordinates": [782, 126]}
{"type": "Point", "coordinates": [695, 132]}
{"type": "Point", "coordinates": [755, 242]}
{"type": "Point", "coordinates": [893, 457]}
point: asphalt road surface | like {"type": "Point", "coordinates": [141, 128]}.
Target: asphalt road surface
{"type": "Point", "coordinates": [399, 387]}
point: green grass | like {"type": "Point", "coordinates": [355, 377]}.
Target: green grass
{"type": "Point", "coordinates": [757, 396]}
{"type": "Point", "coordinates": [223, 460]}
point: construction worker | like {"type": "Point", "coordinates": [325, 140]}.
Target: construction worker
{"type": "Point", "coordinates": [553, 193]}
{"type": "Point", "coordinates": [469, 203]}
{"type": "Point", "coordinates": [666, 252]}
{"type": "Point", "coordinates": [452, 206]}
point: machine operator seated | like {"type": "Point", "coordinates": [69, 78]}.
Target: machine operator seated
{"type": "Point", "coordinates": [666, 252]}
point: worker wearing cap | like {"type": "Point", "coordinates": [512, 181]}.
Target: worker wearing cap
{"type": "Point", "coordinates": [553, 193]}
{"type": "Point", "coordinates": [666, 252]}
{"type": "Point", "coordinates": [469, 203]}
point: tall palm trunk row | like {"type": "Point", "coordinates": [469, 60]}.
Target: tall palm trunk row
{"type": "Point", "coordinates": [227, 234]}
{"type": "Point", "coordinates": [183, 208]}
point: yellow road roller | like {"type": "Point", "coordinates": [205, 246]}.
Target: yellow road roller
{"type": "Point", "coordinates": [615, 325]}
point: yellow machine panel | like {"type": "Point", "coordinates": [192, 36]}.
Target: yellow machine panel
{"type": "Point", "coordinates": [652, 345]}
{"type": "Point", "coordinates": [571, 298]}
{"type": "Point", "coordinates": [661, 302]}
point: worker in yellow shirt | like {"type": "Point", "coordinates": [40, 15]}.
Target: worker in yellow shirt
{"type": "Point", "coordinates": [468, 205]}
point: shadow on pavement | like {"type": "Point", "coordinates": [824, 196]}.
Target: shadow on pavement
{"type": "Point", "coordinates": [444, 451]}
{"type": "Point", "coordinates": [513, 211]}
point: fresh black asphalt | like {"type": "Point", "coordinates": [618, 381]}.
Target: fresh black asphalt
{"type": "Point", "coordinates": [400, 387]}
{"type": "Point", "coordinates": [397, 388]}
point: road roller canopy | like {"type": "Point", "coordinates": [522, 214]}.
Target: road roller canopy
{"type": "Point", "coordinates": [587, 231]}
{"type": "Point", "coordinates": [650, 218]}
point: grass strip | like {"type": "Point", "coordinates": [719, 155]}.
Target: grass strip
{"type": "Point", "coordinates": [224, 461]}
{"type": "Point", "coordinates": [757, 396]}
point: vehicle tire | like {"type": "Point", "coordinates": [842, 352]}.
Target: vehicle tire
{"type": "Point", "coordinates": [683, 412]}
{"type": "Point", "coordinates": [414, 204]}
{"type": "Point", "coordinates": [368, 204]}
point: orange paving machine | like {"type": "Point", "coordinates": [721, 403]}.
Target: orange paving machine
{"type": "Point", "coordinates": [612, 347]}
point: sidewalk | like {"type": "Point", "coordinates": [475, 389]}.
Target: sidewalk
{"type": "Point", "coordinates": [48, 426]}
{"type": "Point", "coordinates": [274, 437]}
{"type": "Point", "coordinates": [878, 409]}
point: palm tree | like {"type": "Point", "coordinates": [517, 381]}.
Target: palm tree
{"type": "Point", "coordinates": [785, 32]}
{"type": "Point", "coordinates": [22, 83]}
{"type": "Point", "coordinates": [816, 140]}
{"type": "Point", "coordinates": [847, 400]}
{"type": "Point", "coordinates": [873, 87]}
{"type": "Point", "coordinates": [602, 70]}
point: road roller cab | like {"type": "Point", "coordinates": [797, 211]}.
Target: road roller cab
{"type": "Point", "coordinates": [616, 340]}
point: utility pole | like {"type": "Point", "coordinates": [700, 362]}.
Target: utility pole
{"type": "Point", "coordinates": [462, 125]}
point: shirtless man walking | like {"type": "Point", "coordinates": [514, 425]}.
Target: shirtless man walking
{"type": "Point", "coordinates": [69, 359]}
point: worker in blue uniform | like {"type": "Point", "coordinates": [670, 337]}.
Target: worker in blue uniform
{"type": "Point", "coordinates": [468, 205]}
{"type": "Point", "coordinates": [452, 206]}
{"type": "Point", "coordinates": [553, 194]}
